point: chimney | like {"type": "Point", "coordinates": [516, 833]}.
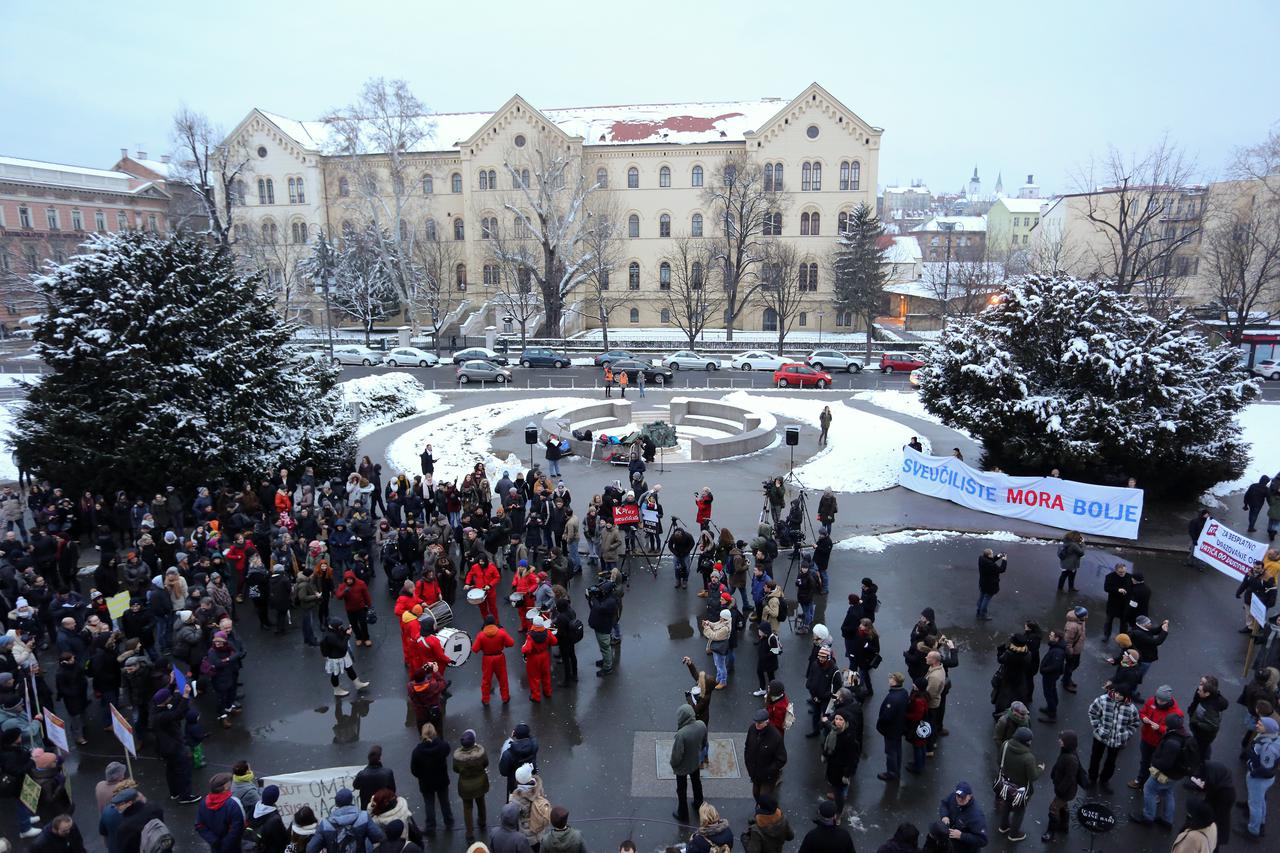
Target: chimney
{"type": "Point", "coordinates": [1030, 179]}
{"type": "Point", "coordinates": [142, 155]}
{"type": "Point", "coordinates": [124, 152]}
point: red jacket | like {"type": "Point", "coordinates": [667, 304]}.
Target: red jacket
{"type": "Point", "coordinates": [492, 640]}
{"type": "Point", "coordinates": [481, 576]}
{"type": "Point", "coordinates": [526, 585]}
{"type": "Point", "coordinates": [704, 509]}
{"type": "Point", "coordinates": [428, 592]}
{"type": "Point", "coordinates": [778, 712]}
{"type": "Point", "coordinates": [532, 648]}
{"type": "Point", "coordinates": [283, 503]}
{"type": "Point", "coordinates": [409, 633]}
{"type": "Point", "coordinates": [356, 596]}
{"type": "Point", "coordinates": [1149, 711]}
{"type": "Point", "coordinates": [405, 602]}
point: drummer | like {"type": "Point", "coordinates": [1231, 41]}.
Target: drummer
{"type": "Point", "coordinates": [484, 580]}
{"type": "Point", "coordinates": [524, 584]}
{"type": "Point", "coordinates": [427, 590]}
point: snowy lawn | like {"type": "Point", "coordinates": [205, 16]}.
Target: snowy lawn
{"type": "Point", "coordinates": [877, 544]}
{"type": "Point", "coordinates": [904, 403]}
{"type": "Point", "coordinates": [8, 470]}
{"type": "Point", "coordinates": [750, 339]}
{"type": "Point", "coordinates": [863, 452]}
{"type": "Point", "coordinates": [13, 380]}
{"type": "Point", "coordinates": [388, 397]}
{"type": "Point", "coordinates": [1258, 423]}
{"type": "Point", "coordinates": [461, 439]}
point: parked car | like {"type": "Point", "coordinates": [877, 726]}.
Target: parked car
{"type": "Point", "coordinates": [914, 378]}
{"type": "Point", "coordinates": [687, 359]}
{"type": "Point", "coordinates": [480, 353]}
{"type": "Point", "coordinates": [802, 375]}
{"type": "Point", "coordinates": [830, 359]}
{"type": "Point", "coordinates": [654, 374]}
{"type": "Point", "coordinates": [543, 357]}
{"type": "Point", "coordinates": [1267, 369]}
{"type": "Point", "coordinates": [758, 360]}
{"type": "Point", "coordinates": [410, 356]}
{"type": "Point", "coordinates": [899, 361]}
{"type": "Point", "coordinates": [355, 354]}
{"type": "Point", "coordinates": [613, 355]}
{"type": "Point", "coordinates": [479, 370]}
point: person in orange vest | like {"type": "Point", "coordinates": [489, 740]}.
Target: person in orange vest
{"type": "Point", "coordinates": [486, 578]}
{"type": "Point", "coordinates": [608, 381]}
{"type": "Point", "coordinates": [537, 659]}
{"type": "Point", "coordinates": [492, 642]}
{"type": "Point", "coordinates": [623, 382]}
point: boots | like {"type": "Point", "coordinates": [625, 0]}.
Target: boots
{"type": "Point", "coordinates": [339, 691]}
{"type": "Point", "coordinates": [360, 685]}
{"type": "Point", "coordinates": [1051, 826]}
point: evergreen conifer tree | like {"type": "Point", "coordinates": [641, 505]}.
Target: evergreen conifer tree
{"type": "Point", "coordinates": [858, 270]}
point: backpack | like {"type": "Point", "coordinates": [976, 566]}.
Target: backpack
{"type": "Point", "coordinates": [346, 841]}
{"type": "Point", "coordinates": [775, 644]}
{"type": "Point", "coordinates": [789, 719]}
{"type": "Point", "coordinates": [1188, 757]}
{"type": "Point", "coordinates": [1062, 552]}
{"type": "Point", "coordinates": [576, 630]}
{"type": "Point", "coordinates": [782, 608]}
{"type": "Point", "coordinates": [155, 838]}
{"type": "Point", "coordinates": [251, 840]}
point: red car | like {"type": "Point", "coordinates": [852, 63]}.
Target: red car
{"type": "Point", "coordinates": [891, 361]}
{"type": "Point", "coordinates": [802, 375]}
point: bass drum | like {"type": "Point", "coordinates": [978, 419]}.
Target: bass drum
{"type": "Point", "coordinates": [457, 645]}
{"type": "Point", "coordinates": [440, 613]}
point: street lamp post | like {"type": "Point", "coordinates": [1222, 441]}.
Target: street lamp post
{"type": "Point", "coordinates": [820, 316]}
{"type": "Point", "coordinates": [948, 227]}
{"type": "Point", "coordinates": [328, 311]}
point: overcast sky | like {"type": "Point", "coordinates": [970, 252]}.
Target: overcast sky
{"type": "Point", "coordinates": [1012, 87]}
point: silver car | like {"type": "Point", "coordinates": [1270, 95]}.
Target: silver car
{"type": "Point", "coordinates": [832, 360]}
{"type": "Point", "coordinates": [355, 354]}
{"type": "Point", "coordinates": [687, 359]}
{"type": "Point", "coordinates": [482, 371]}
{"type": "Point", "coordinates": [410, 356]}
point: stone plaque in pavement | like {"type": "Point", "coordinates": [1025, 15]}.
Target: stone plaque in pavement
{"type": "Point", "coordinates": [722, 759]}
{"type": "Point", "coordinates": [651, 774]}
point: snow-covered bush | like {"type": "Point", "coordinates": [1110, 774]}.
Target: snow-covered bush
{"type": "Point", "coordinates": [385, 398]}
{"type": "Point", "coordinates": [1064, 373]}
{"type": "Point", "coordinates": [170, 367]}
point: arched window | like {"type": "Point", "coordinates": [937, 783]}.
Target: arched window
{"type": "Point", "coordinates": [269, 233]}
{"type": "Point", "coordinates": [460, 276]}
{"type": "Point", "coordinates": [458, 229]}
{"type": "Point", "coordinates": [813, 277]}
{"type": "Point", "coordinates": [239, 191]}
{"type": "Point", "coordinates": [804, 225]}
{"type": "Point", "coordinates": [493, 179]}
{"type": "Point", "coordinates": [664, 225]}
{"type": "Point", "coordinates": [302, 193]}
{"type": "Point", "coordinates": [664, 176]}
{"type": "Point", "coordinates": [697, 176]}
{"type": "Point", "coordinates": [769, 321]}
{"type": "Point", "coordinates": [293, 191]}
{"type": "Point", "coordinates": [695, 275]}
{"type": "Point", "coordinates": [664, 315]}
{"type": "Point", "coordinates": [633, 276]}
{"type": "Point", "coordinates": [850, 175]}
{"type": "Point", "coordinates": [664, 276]}
{"type": "Point", "coordinates": [369, 184]}
{"type": "Point", "coordinates": [520, 227]}
{"type": "Point", "coordinates": [777, 177]}
{"type": "Point", "coordinates": [633, 225]}
{"type": "Point", "coordinates": [488, 226]}
{"type": "Point", "coordinates": [404, 231]}
{"type": "Point", "coordinates": [344, 188]}
{"type": "Point", "coordinates": [768, 177]}
{"type": "Point", "coordinates": [635, 315]}
{"type": "Point", "coordinates": [484, 180]}
{"type": "Point", "coordinates": [455, 182]}
{"type": "Point", "coordinates": [431, 229]}
{"type": "Point", "coordinates": [773, 224]}
{"type": "Point", "coordinates": [490, 275]}
{"type": "Point", "coordinates": [262, 191]}
{"type": "Point", "coordinates": [815, 222]}
{"type": "Point", "coordinates": [806, 177]}
{"type": "Point", "coordinates": [817, 176]}
{"type": "Point", "coordinates": [602, 178]}
{"type": "Point", "coordinates": [695, 225]}
{"type": "Point", "coordinates": [804, 318]}
{"type": "Point", "coordinates": [428, 185]}
{"type": "Point", "coordinates": [603, 276]}
{"type": "Point", "coordinates": [842, 223]}
{"type": "Point", "coordinates": [299, 231]}
{"type": "Point", "coordinates": [633, 178]}
{"type": "Point", "coordinates": [844, 174]}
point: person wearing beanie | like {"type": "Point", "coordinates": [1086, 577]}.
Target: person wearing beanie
{"type": "Point", "coordinates": [765, 754]}
{"type": "Point", "coordinates": [538, 643]}
{"type": "Point", "coordinates": [1154, 718]}
{"type": "Point", "coordinates": [373, 778]}
{"type": "Point", "coordinates": [1073, 636]}
{"type": "Point", "coordinates": [244, 786]}
{"type": "Point", "coordinates": [1263, 764]}
{"type": "Point", "coordinates": [1018, 771]}
{"type": "Point", "coordinates": [717, 634]}
{"type": "Point", "coordinates": [1176, 757]}
{"type": "Point", "coordinates": [134, 813]}
{"type": "Point", "coordinates": [1200, 833]}
{"type": "Point", "coordinates": [507, 837]}
{"type": "Point", "coordinates": [168, 719]}
{"type": "Point", "coordinates": [105, 789]}
{"type": "Point", "coordinates": [961, 826]}
{"type": "Point", "coordinates": [220, 820]}
{"type": "Point", "coordinates": [1146, 637]}
{"type": "Point", "coordinates": [471, 763]}
{"type": "Point", "coordinates": [345, 817]}
{"type": "Point", "coordinates": [827, 835]}
{"type": "Point", "coordinates": [559, 837]}
{"type": "Point", "coordinates": [491, 643]}
{"type": "Point", "coordinates": [1066, 776]}
{"type": "Point", "coordinates": [686, 760]}
{"type": "Point", "coordinates": [520, 749]}
{"type": "Point", "coordinates": [531, 798]}
{"type": "Point", "coordinates": [399, 838]}
{"type": "Point", "coordinates": [768, 830]}
{"type": "Point", "coordinates": [266, 827]}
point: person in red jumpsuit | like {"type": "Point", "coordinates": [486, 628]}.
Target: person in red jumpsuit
{"type": "Point", "coordinates": [427, 590]}
{"type": "Point", "coordinates": [525, 582]}
{"type": "Point", "coordinates": [409, 634]}
{"type": "Point", "coordinates": [486, 578]}
{"type": "Point", "coordinates": [492, 642]}
{"type": "Point", "coordinates": [537, 660]}
{"type": "Point", "coordinates": [431, 648]}
{"type": "Point", "coordinates": [405, 600]}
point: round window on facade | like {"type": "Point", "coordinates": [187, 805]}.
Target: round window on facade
{"type": "Point", "coordinates": [262, 151]}
{"type": "Point", "coordinates": [519, 140]}
{"type": "Point", "coordinates": [812, 131]}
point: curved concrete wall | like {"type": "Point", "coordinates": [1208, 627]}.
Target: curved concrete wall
{"type": "Point", "coordinates": [757, 429]}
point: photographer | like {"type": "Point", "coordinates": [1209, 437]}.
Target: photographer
{"type": "Point", "coordinates": [605, 609]}
{"type": "Point", "coordinates": [990, 567]}
{"type": "Point", "coordinates": [776, 494]}
{"type": "Point", "coordinates": [681, 545]}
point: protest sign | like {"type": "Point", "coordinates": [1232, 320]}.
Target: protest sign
{"type": "Point", "coordinates": [1229, 552]}
{"type": "Point", "coordinates": [123, 731]}
{"type": "Point", "coordinates": [56, 730]}
{"type": "Point", "coordinates": [315, 788]}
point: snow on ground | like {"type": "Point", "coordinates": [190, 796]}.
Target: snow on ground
{"type": "Point", "coordinates": [1258, 423]}
{"type": "Point", "coordinates": [904, 403]}
{"type": "Point", "coordinates": [461, 439]}
{"type": "Point", "coordinates": [583, 361]}
{"type": "Point", "coordinates": [794, 338]}
{"type": "Point", "coordinates": [389, 397]}
{"type": "Point", "coordinates": [8, 470]}
{"type": "Point", "coordinates": [13, 380]}
{"type": "Point", "coordinates": [863, 452]}
{"type": "Point", "coordinates": [875, 544]}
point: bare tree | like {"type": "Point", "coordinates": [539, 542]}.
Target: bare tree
{"type": "Point", "coordinates": [277, 257]}
{"type": "Point", "coordinates": [433, 295]}
{"type": "Point", "coordinates": [514, 257]}
{"type": "Point", "coordinates": [781, 290]}
{"type": "Point", "coordinates": [1260, 163]}
{"type": "Point", "coordinates": [603, 255]}
{"type": "Point", "coordinates": [212, 168]}
{"type": "Point", "coordinates": [373, 144]}
{"type": "Point", "coordinates": [1242, 257]}
{"type": "Point", "coordinates": [1129, 201]}
{"type": "Point", "coordinates": [693, 299]}
{"type": "Point", "coordinates": [739, 203]}
{"type": "Point", "coordinates": [363, 284]}
{"type": "Point", "coordinates": [1050, 252]}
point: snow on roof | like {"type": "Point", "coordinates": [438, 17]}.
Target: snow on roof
{"type": "Point", "coordinates": [1023, 205]}
{"type": "Point", "coordinates": [962, 223]}
{"type": "Point", "coordinates": [161, 168]}
{"type": "Point", "coordinates": [921, 190]}
{"type": "Point", "coordinates": [903, 250]}
{"type": "Point", "coordinates": [44, 172]}
{"type": "Point", "coordinates": [678, 124]}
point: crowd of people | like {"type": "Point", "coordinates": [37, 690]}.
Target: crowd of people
{"type": "Point", "coordinates": [153, 625]}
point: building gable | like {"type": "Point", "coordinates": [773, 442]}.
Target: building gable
{"type": "Point", "coordinates": [815, 100]}
{"type": "Point", "coordinates": [516, 113]}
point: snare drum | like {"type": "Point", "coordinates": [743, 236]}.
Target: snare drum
{"type": "Point", "coordinates": [457, 645]}
{"type": "Point", "coordinates": [475, 596]}
{"type": "Point", "coordinates": [441, 613]}
{"type": "Point", "coordinates": [515, 598]}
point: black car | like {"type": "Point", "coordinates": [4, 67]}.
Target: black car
{"type": "Point", "coordinates": [543, 357]}
{"type": "Point", "coordinates": [613, 355]}
{"type": "Point", "coordinates": [479, 354]}
{"type": "Point", "coordinates": [654, 374]}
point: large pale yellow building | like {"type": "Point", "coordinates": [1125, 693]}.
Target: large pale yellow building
{"type": "Point", "coordinates": [652, 162]}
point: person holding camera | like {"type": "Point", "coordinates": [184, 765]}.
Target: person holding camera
{"type": "Point", "coordinates": [990, 567]}
{"type": "Point", "coordinates": [605, 609]}
{"type": "Point", "coordinates": [681, 544]}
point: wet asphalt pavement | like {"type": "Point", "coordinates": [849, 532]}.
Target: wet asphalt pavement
{"type": "Point", "coordinates": [291, 721]}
